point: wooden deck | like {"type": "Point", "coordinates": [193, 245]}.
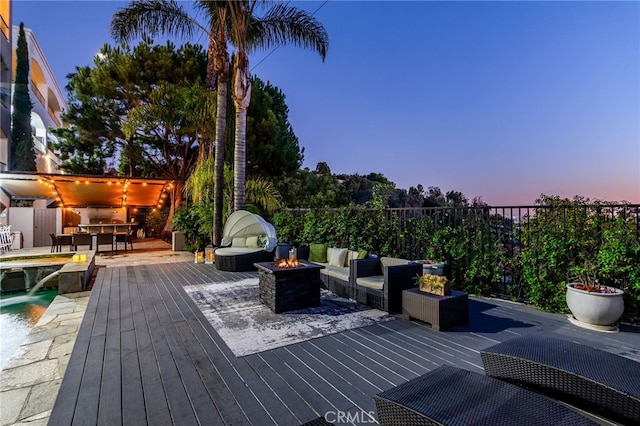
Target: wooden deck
{"type": "Point", "coordinates": [145, 354]}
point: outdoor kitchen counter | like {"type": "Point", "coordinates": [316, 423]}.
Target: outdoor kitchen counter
{"type": "Point", "coordinates": [289, 288]}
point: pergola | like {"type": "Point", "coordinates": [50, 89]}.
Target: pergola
{"type": "Point", "coordinates": [86, 190]}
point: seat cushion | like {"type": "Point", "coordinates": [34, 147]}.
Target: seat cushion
{"type": "Point", "coordinates": [375, 282]}
{"type": "Point", "coordinates": [339, 272]}
{"type": "Point", "coordinates": [232, 251]}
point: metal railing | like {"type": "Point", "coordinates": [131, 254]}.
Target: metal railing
{"type": "Point", "coordinates": [37, 93]}
{"type": "Point", "coordinates": [4, 27]}
{"type": "Point", "coordinates": [488, 237]}
{"type": "Point", "coordinates": [503, 222]}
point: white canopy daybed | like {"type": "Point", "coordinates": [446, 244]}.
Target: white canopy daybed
{"type": "Point", "coordinates": [247, 239]}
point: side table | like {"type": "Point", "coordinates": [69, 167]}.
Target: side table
{"type": "Point", "coordinates": [441, 312]}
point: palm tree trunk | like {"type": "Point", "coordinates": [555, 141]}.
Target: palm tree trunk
{"type": "Point", "coordinates": [241, 99]}
{"type": "Point", "coordinates": [221, 121]}
{"type": "Point", "coordinates": [218, 44]}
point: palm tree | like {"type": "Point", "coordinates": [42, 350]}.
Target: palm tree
{"type": "Point", "coordinates": [155, 17]}
{"type": "Point", "coordinates": [281, 24]}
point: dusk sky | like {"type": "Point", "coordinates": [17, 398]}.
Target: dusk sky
{"type": "Point", "coordinates": [504, 100]}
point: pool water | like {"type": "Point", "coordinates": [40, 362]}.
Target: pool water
{"type": "Point", "coordinates": [18, 314]}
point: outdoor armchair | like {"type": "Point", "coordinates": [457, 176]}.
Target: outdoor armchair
{"type": "Point", "coordinates": [379, 282]}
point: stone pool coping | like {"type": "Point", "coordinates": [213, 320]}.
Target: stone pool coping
{"type": "Point", "coordinates": [29, 383]}
{"type": "Point", "coordinates": [72, 276]}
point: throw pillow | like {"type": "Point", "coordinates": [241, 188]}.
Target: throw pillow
{"type": "Point", "coordinates": [338, 257]}
{"type": "Point", "coordinates": [252, 241]}
{"type": "Point", "coordinates": [262, 241]}
{"type": "Point", "coordinates": [238, 242]}
{"type": "Point", "coordinates": [362, 254]}
{"type": "Point", "coordinates": [318, 253]}
{"type": "Point", "coordinates": [330, 252]}
{"type": "Point", "coordinates": [351, 255]}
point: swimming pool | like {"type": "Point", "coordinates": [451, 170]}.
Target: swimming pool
{"type": "Point", "coordinates": [18, 314]}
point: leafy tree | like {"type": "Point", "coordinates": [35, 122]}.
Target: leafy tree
{"type": "Point", "coordinates": [281, 24]}
{"type": "Point", "coordinates": [456, 199]}
{"type": "Point", "coordinates": [272, 146]}
{"type": "Point", "coordinates": [309, 189]}
{"type": "Point", "coordinates": [78, 157]}
{"type": "Point", "coordinates": [168, 136]}
{"type": "Point", "coordinates": [125, 105]}
{"type": "Point", "coordinates": [434, 197]}
{"type": "Point", "coordinates": [21, 152]}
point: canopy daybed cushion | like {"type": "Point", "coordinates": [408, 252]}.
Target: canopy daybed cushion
{"type": "Point", "coordinates": [247, 239]}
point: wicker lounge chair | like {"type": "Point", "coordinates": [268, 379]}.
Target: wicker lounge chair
{"type": "Point", "coordinates": [241, 246]}
{"type": "Point", "coordinates": [453, 396]}
{"type": "Point", "coordinates": [594, 380]}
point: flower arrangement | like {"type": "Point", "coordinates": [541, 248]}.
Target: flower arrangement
{"type": "Point", "coordinates": [435, 284]}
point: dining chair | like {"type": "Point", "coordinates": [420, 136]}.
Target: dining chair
{"type": "Point", "coordinates": [104, 238]}
{"type": "Point", "coordinates": [64, 240]}
{"type": "Point", "coordinates": [54, 243]}
{"type": "Point", "coordinates": [82, 239]}
{"type": "Point", "coordinates": [124, 237]}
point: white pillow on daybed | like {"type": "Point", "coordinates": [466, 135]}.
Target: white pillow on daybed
{"type": "Point", "coordinates": [252, 242]}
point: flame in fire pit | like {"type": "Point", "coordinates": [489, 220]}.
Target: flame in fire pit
{"type": "Point", "coordinates": [286, 263]}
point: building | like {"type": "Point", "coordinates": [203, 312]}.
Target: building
{"type": "Point", "coordinates": [48, 104]}
{"type": "Point", "coordinates": [47, 98]}
{"type": "Point", "coordinates": [5, 82]}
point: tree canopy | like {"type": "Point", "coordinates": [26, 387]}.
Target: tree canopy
{"type": "Point", "coordinates": [136, 113]}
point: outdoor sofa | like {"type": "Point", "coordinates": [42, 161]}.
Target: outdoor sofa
{"type": "Point", "coordinates": [337, 262]}
{"type": "Point", "coordinates": [247, 239]}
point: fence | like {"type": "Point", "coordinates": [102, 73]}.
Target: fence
{"type": "Point", "coordinates": [480, 244]}
{"type": "Point", "coordinates": [505, 222]}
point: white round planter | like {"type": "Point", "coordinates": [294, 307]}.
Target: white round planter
{"type": "Point", "coordinates": [598, 309]}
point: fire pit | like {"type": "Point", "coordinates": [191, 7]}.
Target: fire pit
{"type": "Point", "coordinates": [288, 285]}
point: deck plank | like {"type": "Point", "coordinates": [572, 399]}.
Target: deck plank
{"type": "Point", "coordinates": [155, 405]}
{"type": "Point", "coordinates": [109, 409]}
{"type": "Point", "coordinates": [65, 404]}
{"type": "Point", "coordinates": [146, 354]}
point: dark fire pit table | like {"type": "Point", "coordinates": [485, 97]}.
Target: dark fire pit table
{"type": "Point", "coordinates": [289, 289]}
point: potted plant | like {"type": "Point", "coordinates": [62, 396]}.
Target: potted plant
{"type": "Point", "coordinates": [592, 303]}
